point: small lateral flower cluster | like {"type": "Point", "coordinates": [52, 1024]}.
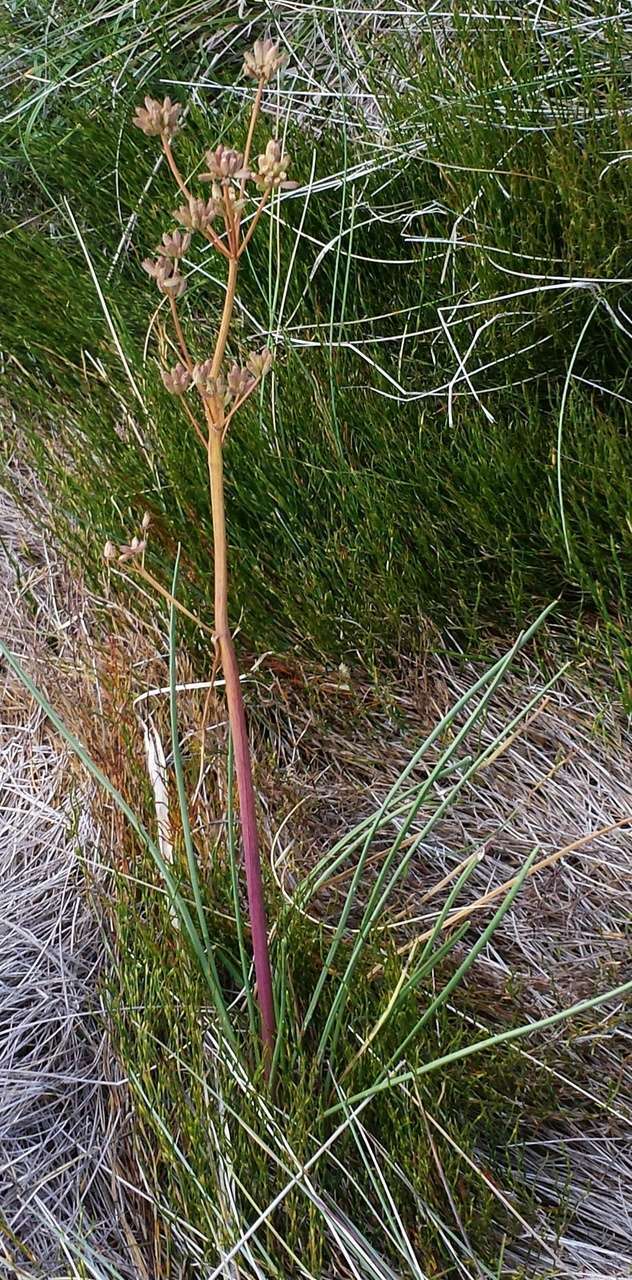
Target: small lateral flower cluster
{"type": "Point", "coordinates": [234, 388]}
{"type": "Point", "coordinates": [264, 60]}
{"type": "Point", "coordinates": [158, 119]}
{"type": "Point", "coordinates": [124, 552]}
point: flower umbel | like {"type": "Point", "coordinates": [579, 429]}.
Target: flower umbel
{"type": "Point", "coordinates": [166, 274]}
{"type": "Point", "coordinates": [240, 382]}
{"type": "Point", "coordinates": [158, 119]}
{"type": "Point", "coordinates": [132, 550]}
{"type": "Point", "coordinates": [176, 380]}
{"type": "Point", "coordinates": [174, 244]}
{"type": "Point", "coordinates": [197, 215]}
{"type": "Point", "coordinates": [210, 388]}
{"type": "Point", "coordinates": [128, 550]}
{"type": "Point", "coordinates": [224, 163]}
{"type": "Point", "coordinates": [273, 167]}
{"type": "Point", "coordinates": [259, 362]}
{"type": "Point", "coordinates": [264, 60]}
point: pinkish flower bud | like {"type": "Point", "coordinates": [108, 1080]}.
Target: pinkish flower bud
{"type": "Point", "coordinates": [132, 550]}
{"type": "Point", "coordinates": [240, 382]}
{"type": "Point", "coordinates": [263, 60]}
{"type": "Point", "coordinates": [273, 167]}
{"type": "Point", "coordinates": [174, 244]}
{"type": "Point", "coordinates": [166, 274]}
{"type": "Point", "coordinates": [110, 551]}
{"type": "Point", "coordinates": [224, 163]}
{"type": "Point", "coordinates": [210, 388]}
{"type": "Point", "coordinates": [259, 362]}
{"type": "Point", "coordinates": [177, 381]}
{"type": "Point", "coordinates": [158, 268]}
{"type": "Point", "coordinates": [197, 215]}
{"type": "Point", "coordinates": [158, 118]}
{"type": "Point", "coordinates": [175, 286]}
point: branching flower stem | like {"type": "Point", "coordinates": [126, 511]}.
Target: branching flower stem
{"type": "Point", "coordinates": [253, 225]}
{"type": "Point", "coordinates": [224, 640]}
{"type": "Point", "coordinates": [196, 426]}
{"type": "Point", "coordinates": [222, 393]}
{"type": "Point", "coordinates": [139, 569]}
{"type": "Point", "coordinates": [241, 746]}
{"type": "Point", "coordinates": [182, 186]}
{"type": "Point", "coordinates": [234, 695]}
{"type": "Point", "coordinates": [184, 351]}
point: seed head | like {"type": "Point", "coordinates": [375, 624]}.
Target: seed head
{"type": "Point", "coordinates": [146, 521]}
{"type": "Point", "coordinates": [158, 118]}
{"type": "Point", "coordinates": [177, 381]}
{"type": "Point", "coordinates": [273, 167]}
{"type": "Point", "coordinates": [174, 244]}
{"type": "Point", "coordinates": [224, 163]}
{"type": "Point", "coordinates": [240, 382]}
{"type": "Point", "coordinates": [259, 362]}
{"type": "Point", "coordinates": [263, 60]}
{"type": "Point", "coordinates": [197, 215]}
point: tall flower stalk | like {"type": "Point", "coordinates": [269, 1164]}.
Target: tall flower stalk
{"type": "Point", "coordinates": [221, 387]}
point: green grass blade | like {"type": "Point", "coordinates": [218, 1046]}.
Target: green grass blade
{"type": "Point", "coordinates": [490, 1042]}
{"type": "Point", "coordinates": [381, 890]}
{"type": "Point", "coordinates": [467, 963]}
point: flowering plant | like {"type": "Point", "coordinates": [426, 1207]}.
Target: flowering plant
{"type": "Point", "coordinates": [221, 387]}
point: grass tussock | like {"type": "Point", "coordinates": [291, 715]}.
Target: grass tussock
{"type": "Point", "coordinates": [374, 1042]}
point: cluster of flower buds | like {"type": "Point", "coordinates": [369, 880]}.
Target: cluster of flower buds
{"type": "Point", "coordinates": [176, 380]}
{"type": "Point", "coordinates": [225, 166]}
{"type": "Point", "coordinates": [264, 60]}
{"type": "Point", "coordinates": [259, 362]}
{"type": "Point", "coordinates": [158, 119]}
{"type": "Point", "coordinates": [224, 163]}
{"type": "Point", "coordinates": [273, 167]}
{"type": "Point", "coordinates": [240, 381]}
{"type": "Point", "coordinates": [208, 386]}
{"type": "Point", "coordinates": [174, 244]}
{"type": "Point", "coordinates": [127, 551]}
{"type": "Point", "coordinates": [197, 215]}
{"type": "Point", "coordinates": [166, 273]}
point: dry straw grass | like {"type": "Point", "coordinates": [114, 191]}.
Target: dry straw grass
{"type": "Point", "coordinates": [63, 1121]}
